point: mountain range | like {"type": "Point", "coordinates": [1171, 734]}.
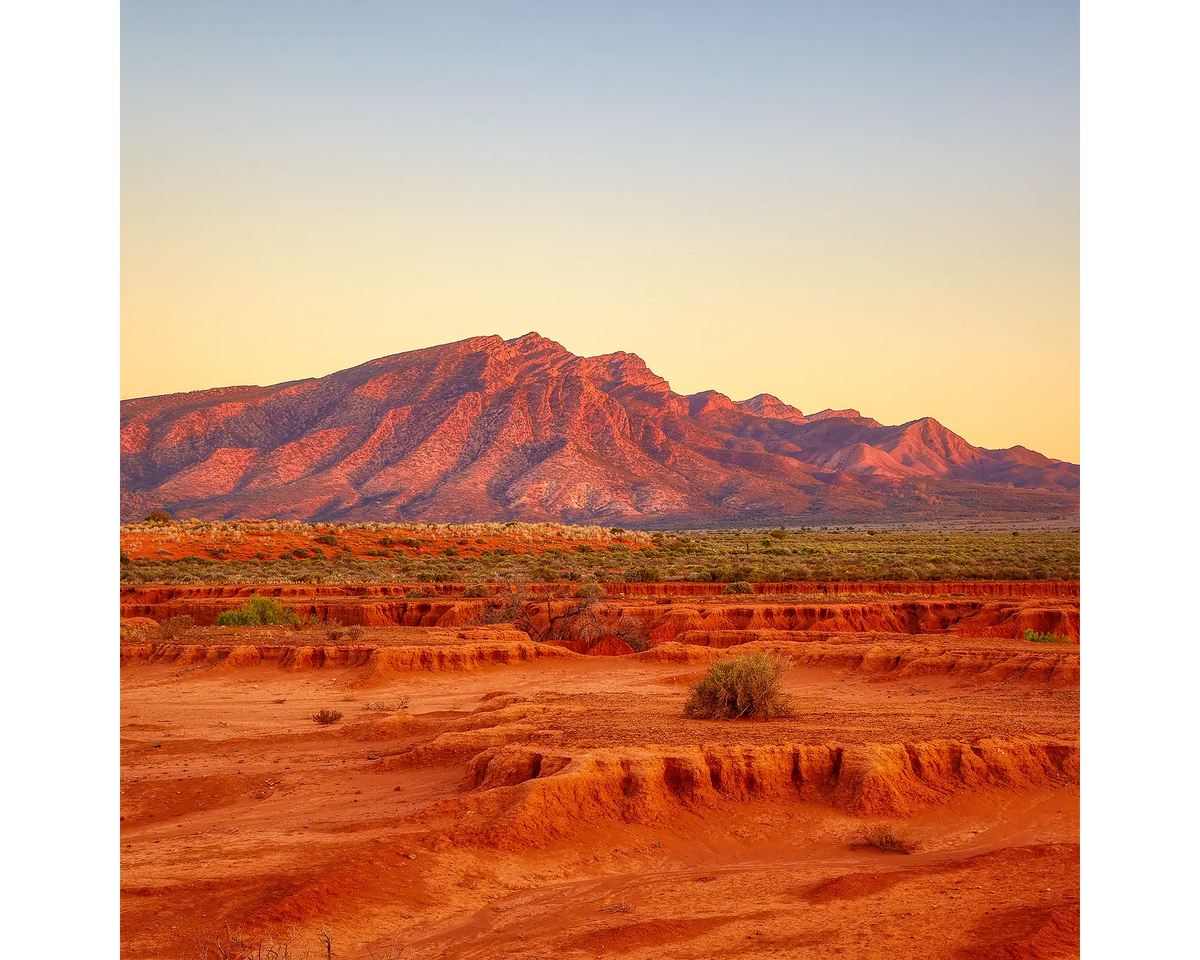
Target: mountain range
{"type": "Point", "coordinates": [522, 429]}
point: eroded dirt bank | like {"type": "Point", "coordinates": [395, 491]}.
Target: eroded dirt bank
{"type": "Point", "coordinates": [487, 796]}
{"type": "Point", "coordinates": [661, 617]}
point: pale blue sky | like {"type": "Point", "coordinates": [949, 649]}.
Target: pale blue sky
{"type": "Point", "coordinates": [845, 204]}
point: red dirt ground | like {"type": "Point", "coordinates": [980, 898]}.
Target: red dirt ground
{"type": "Point", "coordinates": [487, 796]}
{"type": "Point", "coordinates": [248, 539]}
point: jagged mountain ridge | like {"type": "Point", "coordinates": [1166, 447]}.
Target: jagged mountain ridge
{"type": "Point", "coordinates": [488, 428]}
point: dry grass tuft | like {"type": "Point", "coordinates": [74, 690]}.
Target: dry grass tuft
{"type": "Point", "coordinates": [882, 837]}
{"type": "Point", "coordinates": [748, 685]}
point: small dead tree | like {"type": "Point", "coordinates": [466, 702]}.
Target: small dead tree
{"type": "Point", "coordinates": [555, 616]}
{"type": "Point", "coordinates": [634, 631]}
{"type": "Point", "coordinates": [237, 946]}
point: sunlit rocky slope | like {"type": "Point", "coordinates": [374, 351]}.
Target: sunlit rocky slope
{"type": "Point", "coordinates": [494, 429]}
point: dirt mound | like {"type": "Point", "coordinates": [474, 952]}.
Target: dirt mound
{"type": "Point", "coordinates": [380, 662]}
{"type": "Point", "coordinates": [1028, 933]}
{"type": "Point", "coordinates": [851, 886]}
{"type": "Point", "coordinates": [690, 624]}
{"type": "Point", "coordinates": [559, 793]}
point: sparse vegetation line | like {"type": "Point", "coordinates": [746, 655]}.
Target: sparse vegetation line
{"type": "Point", "coordinates": [181, 552]}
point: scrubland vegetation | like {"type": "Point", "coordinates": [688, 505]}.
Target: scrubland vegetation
{"type": "Point", "coordinates": [269, 552]}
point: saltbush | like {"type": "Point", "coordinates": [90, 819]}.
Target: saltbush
{"type": "Point", "coordinates": [175, 627]}
{"type": "Point", "coordinates": [1034, 637]}
{"type": "Point", "coordinates": [749, 685]}
{"type": "Point", "coordinates": [259, 612]}
{"type": "Point", "coordinates": [884, 838]}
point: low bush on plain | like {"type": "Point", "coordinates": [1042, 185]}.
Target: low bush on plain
{"type": "Point", "coordinates": [884, 838]}
{"type": "Point", "coordinates": [260, 612]}
{"type": "Point", "coordinates": [390, 706]}
{"type": "Point", "coordinates": [175, 627]}
{"type": "Point", "coordinates": [749, 685]}
{"type": "Point", "coordinates": [642, 575]}
{"type": "Point", "coordinates": [477, 590]}
{"type": "Point", "coordinates": [326, 717]}
{"type": "Point", "coordinates": [738, 586]}
{"type": "Point", "coordinates": [1034, 637]}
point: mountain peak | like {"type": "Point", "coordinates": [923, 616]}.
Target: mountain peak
{"type": "Point", "coordinates": [493, 429]}
{"type": "Point", "coordinates": [770, 406]}
{"type": "Point", "coordinates": [533, 344]}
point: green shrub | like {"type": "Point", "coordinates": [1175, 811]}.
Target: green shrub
{"type": "Point", "coordinates": [328, 539]}
{"type": "Point", "coordinates": [590, 591]}
{"type": "Point", "coordinates": [1034, 637]}
{"type": "Point", "coordinates": [642, 575]}
{"type": "Point", "coordinates": [738, 586]}
{"type": "Point", "coordinates": [259, 612]}
{"type": "Point", "coordinates": [477, 590]}
{"type": "Point", "coordinates": [157, 516]}
{"type": "Point", "coordinates": [748, 685]}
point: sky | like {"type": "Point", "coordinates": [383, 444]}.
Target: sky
{"type": "Point", "coordinates": [845, 204]}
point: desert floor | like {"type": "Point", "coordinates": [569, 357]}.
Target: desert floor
{"type": "Point", "coordinates": [487, 796]}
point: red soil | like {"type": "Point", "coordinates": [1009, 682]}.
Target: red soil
{"type": "Point", "coordinates": [704, 620]}
{"type": "Point", "coordinates": [247, 540]}
{"type": "Point", "coordinates": [527, 800]}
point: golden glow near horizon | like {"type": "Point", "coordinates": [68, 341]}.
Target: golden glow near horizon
{"type": "Point", "coordinates": [900, 286]}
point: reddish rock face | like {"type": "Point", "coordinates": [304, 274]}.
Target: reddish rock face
{"type": "Point", "coordinates": [494, 429]}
